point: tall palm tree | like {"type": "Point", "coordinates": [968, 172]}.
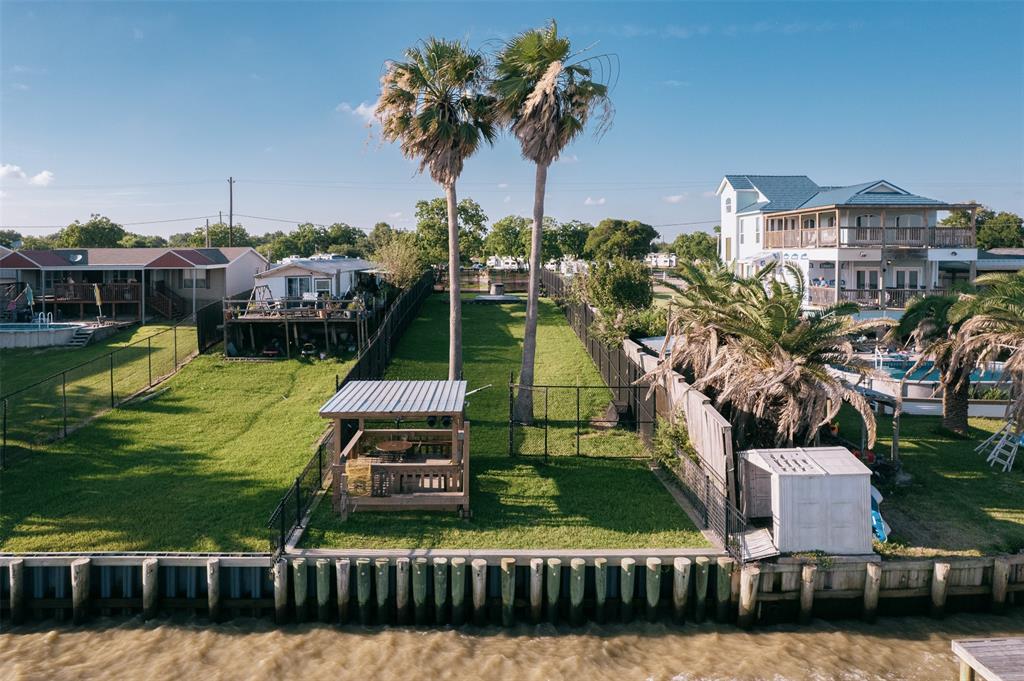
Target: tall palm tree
{"type": "Point", "coordinates": [928, 324]}
{"type": "Point", "coordinates": [766, 363]}
{"type": "Point", "coordinates": [546, 94]}
{"type": "Point", "coordinates": [436, 106]}
{"type": "Point", "coordinates": [992, 327]}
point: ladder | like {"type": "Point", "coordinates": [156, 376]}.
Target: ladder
{"type": "Point", "coordinates": [1002, 447]}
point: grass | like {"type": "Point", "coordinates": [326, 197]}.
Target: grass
{"type": "Point", "coordinates": [607, 501]}
{"type": "Point", "coordinates": [955, 504]}
{"type": "Point", "coordinates": [199, 467]}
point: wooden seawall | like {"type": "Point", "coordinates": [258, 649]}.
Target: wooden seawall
{"type": "Point", "coordinates": [497, 587]}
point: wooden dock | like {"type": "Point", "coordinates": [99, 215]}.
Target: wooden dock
{"type": "Point", "coordinates": [992, 659]}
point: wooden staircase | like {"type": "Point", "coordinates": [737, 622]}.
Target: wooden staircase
{"type": "Point", "coordinates": [166, 302]}
{"type": "Point", "coordinates": [82, 337]}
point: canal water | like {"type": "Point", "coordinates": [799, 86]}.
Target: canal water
{"type": "Point", "coordinates": [915, 649]}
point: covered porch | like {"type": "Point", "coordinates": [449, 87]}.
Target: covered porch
{"type": "Point", "coordinates": [399, 445]}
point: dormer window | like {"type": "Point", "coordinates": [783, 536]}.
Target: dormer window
{"type": "Point", "coordinates": [728, 205]}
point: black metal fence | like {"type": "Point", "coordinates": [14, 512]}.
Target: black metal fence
{"type": "Point", "coordinates": [209, 323]}
{"type": "Point", "coordinates": [37, 415]}
{"type": "Point", "coordinates": [297, 500]}
{"type": "Point", "coordinates": [716, 512]}
{"type": "Point", "coordinates": [369, 364]}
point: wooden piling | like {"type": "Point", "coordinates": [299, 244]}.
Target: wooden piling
{"type": "Point", "coordinates": [402, 590]}
{"type": "Point", "coordinates": [300, 588]}
{"type": "Point", "coordinates": [750, 581]}
{"type": "Point", "coordinates": [478, 570]}
{"type": "Point", "coordinates": [627, 573]}
{"type": "Point", "coordinates": [600, 589]}
{"type": "Point", "coordinates": [807, 576]}
{"type": "Point", "coordinates": [16, 584]}
{"type": "Point", "coordinates": [577, 577]}
{"type": "Point", "coordinates": [680, 588]}
{"type": "Point", "coordinates": [458, 571]}
{"type": "Point", "coordinates": [508, 591]}
{"type": "Point", "coordinates": [342, 577]}
{"type": "Point", "coordinates": [536, 589]}
{"type": "Point", "coordinates": [652, 583]}
{"type": "Point", "coordinates": [323, 589]}
{"type": "Point", "coordinates": [419, 590]}
{"type": "Point", "coordinates": [280, 591]}
{"type": "Point", "coordinates": [872, 585]}
{"type": "Point", "coordinates": [440, 590]}
{"type": "Point", "coordinates": [701, 565]}
{"type": "Point", "coordinates": [80, 589]}
{"type": "Point", "coordinates": [213, 589]}
{"type": "Point", "coordinates": [723, 588]}
{"type": "Point", "coordinates": [940, 584]}
{"type": "Point", "coordinates": [382, 573]}
{"type": "Point", "coordinates": [554, 589]}
{"type": "Point", "coordinates": [150, 577]}
{"type": "Point", "coordinates": [364, 586]}
{"type": "Point", "coordinates": [1000, 582]}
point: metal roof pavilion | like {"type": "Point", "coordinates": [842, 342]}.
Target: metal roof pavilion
{"type": "Point", "coordinates": [386, 398]}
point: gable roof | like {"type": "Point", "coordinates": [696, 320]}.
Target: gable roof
{"type": "Point", "coordinates": [133, 258]}
{"type": "Point", "coordinates": [792, 192]}
{"type": "Point", "coordinates": [320, 266]}
{"type": "Point", "coordinates": [396, 397]}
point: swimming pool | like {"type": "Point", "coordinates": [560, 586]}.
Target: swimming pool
{"type": "Point", "coordinates": [9, 327]}
{"type": "Point", "coordinates": [31, 335]}
{"type": "Point", "coordinates": [928, 372]}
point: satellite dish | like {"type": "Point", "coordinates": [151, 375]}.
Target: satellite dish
{"type": "Point", "coordinates": [77, 257]}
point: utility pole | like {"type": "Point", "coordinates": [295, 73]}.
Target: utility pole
{"type": "Point", "coordinates": [220, 218]}
{"type": "Point", "coordinates": [231, 208]}
{"type": "Point", "coordinates": [207, 232]}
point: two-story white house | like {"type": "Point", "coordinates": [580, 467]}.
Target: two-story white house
{"type": "Point", "coordinates": [871, 243]}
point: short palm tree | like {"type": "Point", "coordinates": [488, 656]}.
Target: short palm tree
{"type": "Point", "coordinates": [435, 105]}
{"type": "Point", "coordinates": [767, 364]}
{"type": "Point", "coordinates": [927, 323]}
{"type": "Point", "coordinates": [546, 94]}
{"type": "Point", "coordinates": [992, 327]}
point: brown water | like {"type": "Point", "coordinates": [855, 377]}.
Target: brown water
{"type": "Point", "coordinates": [909, 648]}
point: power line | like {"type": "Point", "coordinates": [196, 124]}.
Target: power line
{"type": "Point", "coordinates": [123, 224]}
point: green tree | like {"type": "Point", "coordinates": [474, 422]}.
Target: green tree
{"type": "Point", "coordinates": [401, 260]}
{"type": "Point", "coordinates": [218, 237]}
{"type": "Point", "coordinates": [962, 218]}
{"type": "Point", "coordinates": [623, 293]}
{"type": "Point", "coordinates": [506, 237]}
{"type": "Point", "coordinates": [572, 238]}
{"type": "Point", "coordinates": [546, 94]}
{"type": "Point", "coordinates": [39, 243]}
{"type": "Point", "coordinates": [1001, 231]}
{"type": "Point", "coordinates": [434, 105]}
{"type": "Point", "coordinates": [379, 236]}
{"type": "Point", "coordinates": [695, 246]}
{"type": "Point", "coordinates": [629, 239]}
{"type": "Point", "coordinates": [131, 240]}
{"type": "Point", "coordinates": [9, 237]}
{"type": "Point", "coordinates": [432, 229]}
{"type": "Point", "coordinates": [346, 240]}
{"type": "Point", "coordinates": [97, 232]}
{"type": "Point", "coordinates": [549, 248]}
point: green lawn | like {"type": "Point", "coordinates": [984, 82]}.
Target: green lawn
{"type": "Point", "coordinates": [199, 467]}
{"type": "Point", "coordinates": [606, 501]}
{"type": "Point", "coordinates": [955, 503]}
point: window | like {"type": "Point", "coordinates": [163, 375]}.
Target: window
{"type": "Point", "coordinates": [809, 223]}
{"type": "Point", "coordinates": [867, 221]}
{"type": "Point", "coordinates": [908, 277]}
{"type": "Point", "coordinates": [866, 279]}
{"type": "Point", "coordinates": [757, 231]}
{"type": "Point", "coordinates": [830, 221]}
{"type": "Point", "coordinates": [743, 229]}
{"type": "Point", "coordinates": [728, 249]}
{"type": "Point", "coordinates": [296, 286]}
{"type": "Point", "coordinates": [322, 287]}
{"type": "Point", "coordinates": [728, 205]}
{"type": "Point", "coordinates": [194, 279]}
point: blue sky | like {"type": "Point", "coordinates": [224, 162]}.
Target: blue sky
{"type": "Point", "coordinates": [141, 111]}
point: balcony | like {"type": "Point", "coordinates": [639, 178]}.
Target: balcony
{"type": "Point", "coordinates": [830, 237]}
{"type": "Point", "coordinates": [891, 298]}
{"type": "Point", "coordinates": [86, 293]}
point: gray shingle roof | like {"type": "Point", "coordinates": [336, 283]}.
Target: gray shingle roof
{"type": "Point", "coordinates": [784, 192]}
{"type": "Point", "coordinates": [790, 192]}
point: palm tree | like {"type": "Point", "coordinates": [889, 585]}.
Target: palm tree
{"type": "Point", "coordinates": [435, 104]}
{"type": "Point", "coordinates": [546, 94]}
{"type": "Point", "coordinates": [928, 324]}
{"type": "Point", "coordinates": [767, 364]}
{"type": "Point", "coordinates": [992, 326]}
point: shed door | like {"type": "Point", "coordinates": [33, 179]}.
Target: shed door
{"type": "Point", "coordinates": [757, 488]}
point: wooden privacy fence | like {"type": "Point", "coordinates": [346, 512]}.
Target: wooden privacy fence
{"type": "Point", "coordinates": [481, 280]}
{"type": "Point", "coordinates": [497, 587]}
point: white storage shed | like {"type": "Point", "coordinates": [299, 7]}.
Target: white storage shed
{"type": "Point", "coordinates": [818, 498]}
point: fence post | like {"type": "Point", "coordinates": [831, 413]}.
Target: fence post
{"type": "Point", "coordinates": [3, 444]}
{"type": "Point", "coordinates": [280, 545]}
{"type": "Point", "coordinates": [707, 497]}
{"type": "Point", "coordinates": [149, 359]}
{"type": "Point", "coordinates": [174, 330]}
{"type": "Point", "coordinates": [577, 420]}
{"type": "Point", "coordinates": [112, 380]}
{"type": "Point", "coordinates": [298, 503]}
{"type": "Point", "coordinates": [511, 409]}
{"type": "Point", "coordinates": [64, 398]}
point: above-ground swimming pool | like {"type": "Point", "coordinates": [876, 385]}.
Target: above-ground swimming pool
{"type": "Point", "coordinates": [32, 335]}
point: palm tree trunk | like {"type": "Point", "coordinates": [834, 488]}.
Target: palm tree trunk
{"type": "Point", "coordinates": [454, 288]}
{"type": "Point", "coordinates": [524, 399]}
{"type": "Point", "coordinates": [956, 395]}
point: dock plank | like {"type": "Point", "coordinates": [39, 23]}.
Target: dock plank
{"type": "Point", "coordinates": [993, 659]}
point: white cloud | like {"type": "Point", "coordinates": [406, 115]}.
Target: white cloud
{"type": "Point", "coordinates": [42, 179]}
{"type": "Point", "coordinates": [675, 83]}
{"type": "Point", "coordinates": [3, 194]}
{"type": "Point", "coordinates": [363, 110]}
{"type": "Point", "coordinates": [708, 194]}
{"type": "Point", "coordinates": [569, 158]}
{"type": "Point", "coordinates": [590, 201]}
{"type": "Point", "coordinates": [11, 171]}
{"type": "Point", "coordinates": [503, 185]}
{"type": "Point", "coordinates": [675, 198]}
{"type": "Point", "coordinates": [19, 86]}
